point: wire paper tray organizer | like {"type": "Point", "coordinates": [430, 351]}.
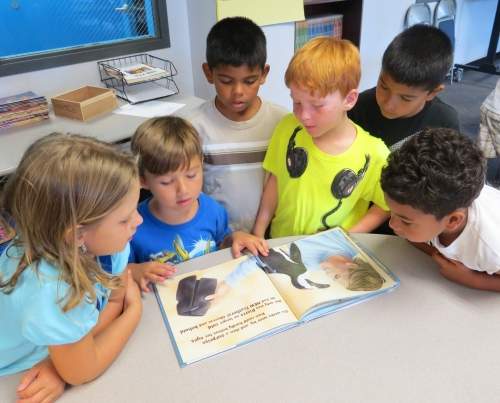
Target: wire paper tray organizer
{"type": "Point", "coordinates": [145, 89]}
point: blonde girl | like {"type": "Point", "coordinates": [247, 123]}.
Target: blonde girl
{"type": "Point", "coordinates": [72, 199]}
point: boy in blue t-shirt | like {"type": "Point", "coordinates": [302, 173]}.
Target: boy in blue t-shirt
{"type": "Point", "coordinates": [180, 222]}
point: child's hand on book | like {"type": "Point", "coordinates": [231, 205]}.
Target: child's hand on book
{"type": "Point", "coordinates": [255, 245]}
{"type": "Point", "coordinates": [155, 272]}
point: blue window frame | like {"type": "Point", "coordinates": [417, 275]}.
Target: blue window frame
{"type": "Point", "coordinates": [38, 34]}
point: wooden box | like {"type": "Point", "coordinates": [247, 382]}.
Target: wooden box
{"type": "Point", "coordinates": [84, 103]}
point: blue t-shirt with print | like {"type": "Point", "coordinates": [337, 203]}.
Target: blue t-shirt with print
{"type": "Point", "coordinates": [157, 240]}
{"type": "Point", "coordinates": [32, 316]}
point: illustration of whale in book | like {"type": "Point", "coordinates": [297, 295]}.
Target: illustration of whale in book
{"type": "Point", "coordinates": [291, 264]}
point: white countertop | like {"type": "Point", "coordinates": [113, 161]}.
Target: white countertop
{"type": "Point", "coordinates": [430, 340]}
{"type": "Point", "coordinates": [110, 127]}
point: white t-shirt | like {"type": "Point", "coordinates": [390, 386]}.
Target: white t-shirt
{"type": "Point", "coordinates": [234, 152]}
{"type": "Point", "coordinates": [478, 246]}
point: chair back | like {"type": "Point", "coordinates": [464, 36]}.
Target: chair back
{"type": "Point", "coordinates": [444, 18]}
{"type": "Point", "coordinates": [419, 13]}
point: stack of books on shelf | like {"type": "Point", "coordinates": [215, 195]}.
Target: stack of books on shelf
{"type": "Point", "coordinates": [328, 25]}
{"type": "Point", "coordinates": [136, 73]}
{"type": "Point", "coordinates": [22, 109]}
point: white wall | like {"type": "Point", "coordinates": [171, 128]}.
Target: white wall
{"type": "Point", "coordinates": [201, 17]}
{"type": "Point", "coordinates": [60, 79]}
{"type": "Point", "coordinates": [473, 29]}
{"type": "Point", "coordinates": [381, 21]}
{"type": "Point", "coordinates": [280, 48]}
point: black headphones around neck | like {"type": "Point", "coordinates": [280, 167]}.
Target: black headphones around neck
{"type": "Point", "coordinates": [343, 184]}
{"type": "Point", "coordinates": [296, 157]}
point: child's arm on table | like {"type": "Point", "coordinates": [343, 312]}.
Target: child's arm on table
{"type": "Point", "coordinates": [372, 219]}
{"type": "Point", "coordinates": [459, 273]}
{"type": "Point", "coordinates": [114, 306]}
{"type": "Point", "coordinates": [95, 352]}
{"type": "Point", "coordinates": [41, 383]}
{"type": "Point", "coordinates": [425, 247]}
{"type": "Point", "coordinates": [147, 272]}
{"type": "Point", "coordinates": [268, 204]}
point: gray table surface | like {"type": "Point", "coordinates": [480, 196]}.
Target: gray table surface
{"type": "Point", "coordinates": [430, 340]}
{"type": "Point", "coordinates": [110, 127]}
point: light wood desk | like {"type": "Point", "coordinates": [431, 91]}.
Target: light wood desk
{"type": "Point", "coordinates": [428, 341]}
{"type": "Point", "coordinates": [110, 127]}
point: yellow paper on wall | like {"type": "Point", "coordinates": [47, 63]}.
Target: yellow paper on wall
{"type": "Point", "coordinates": [262, 12]}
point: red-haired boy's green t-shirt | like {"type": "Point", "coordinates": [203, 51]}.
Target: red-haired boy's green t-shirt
{"type": "Point", "coordinates": [305, 202]}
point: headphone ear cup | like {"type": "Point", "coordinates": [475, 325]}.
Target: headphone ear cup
{"type": "Point", "coordinates": [296, 162]}
{"type": "Point", "coordinates": [344, 183]}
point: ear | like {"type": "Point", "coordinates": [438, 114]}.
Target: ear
{"type": "Point", "coordinates": [143, 183]}
{"type": "Point", "coordinates": [434, 92]}
{"type": "Point", "coordinates": [209, 75]}
{"type": "Point", "coordinates": [350, 99]}
{"type": "Point", "coordinates": [77, 234]}
{"type": "Point", "coordinates": [456, 220]}
{"type": "Point", "coordinates": [265, 72]}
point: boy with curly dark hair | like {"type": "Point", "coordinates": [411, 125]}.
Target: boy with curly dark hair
{"type": "Point", "coordinates": [435, 187]}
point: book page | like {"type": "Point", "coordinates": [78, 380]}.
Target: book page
{"type": "Point", "coordinates": [201, 327]}
{"type": "Point", "coordinates": [326, 268]}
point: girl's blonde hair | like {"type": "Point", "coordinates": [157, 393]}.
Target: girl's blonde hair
{"type": "Point", "coordinates": [324, 65]}
{"type": "Point", "coordinates": [364, 277]}
{"type": "Point", "coordinates": [63, 182]}
{"type": "Point", "coordinates": [165, 144]}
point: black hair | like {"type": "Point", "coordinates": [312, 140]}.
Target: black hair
{"type": "Point", "coordinates": [236, 41]}
{"type": "Point", "coordinates": [436, 171]}
{"type": "Point", "coordinates": [420, 56]}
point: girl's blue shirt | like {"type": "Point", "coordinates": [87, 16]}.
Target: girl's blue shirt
{"type": "Point", "coordinates": [32, 315]}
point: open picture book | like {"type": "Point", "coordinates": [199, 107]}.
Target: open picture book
{"type": "Point", "coordinates": [213, 310]}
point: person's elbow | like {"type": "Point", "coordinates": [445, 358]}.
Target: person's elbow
{"type": "Point", "coordinates": [75, 379]}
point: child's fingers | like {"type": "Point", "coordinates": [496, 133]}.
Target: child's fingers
{"type": "Point", "coordinates": [156, 278]}
{"type": "Point", "coordinates": [253, 248]}
{"type": "Point", "coordinates": [144, 285]}
{"type": "Point", "coordinates": [262, 247]}
{"type": "Point", "coordinates": [50, 398]}
{"type": "Point", "coordinates": [236, 249]}
{"type": "Point", "coordinates": [43, 396]}
{"type": "Point", "coordinates": [27, 379]}
{"type": "Point", "coordinates": [171, 270]}
{"type": "Point", "coordinates": [34, 392]}
{"type": "Point", "coordinates": [40, 396]}
{"type": "Point", "coordinates": [168, 270]}
{"type": "Point", "coordinates": [162, 269]}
